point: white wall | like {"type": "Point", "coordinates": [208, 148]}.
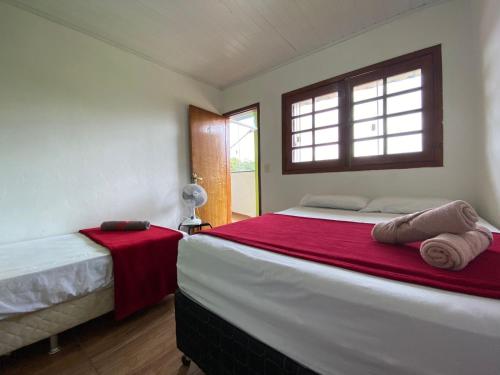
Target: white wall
{"type": "Point", "coordinates": [449, 24]}
{"type": "Point", "coordinates": [243, 193]}
{"type": "Point", "coordinates": [487, 22]}
{"type": "Point", "coordinates": [87, 131]}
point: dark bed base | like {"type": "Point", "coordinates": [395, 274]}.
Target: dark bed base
{"type": "Point", "coordinates": [219, 348]}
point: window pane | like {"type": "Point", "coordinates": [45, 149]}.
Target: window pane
{"type": "Point", "coordinates": [366, 110]}
{"type": "Point", "coordinates": [404, 144]}
{"type": "Point", "coordinates": [326, 118]}
{"type": "Point", "coordinates": [405, 81]}
{"type": "Point", "coordinates": [368, 90]}
{"type": "Point", "coordinates": [329, 152]}
{"type": "Point", "coordinates": [405, 102]}
{"type": "Point", "coordinates": [302, 123]}
{"type": "Point", "coordinates": [326, 135]}
{"type": "Point", "coordinates": [404, 123]}
{"type": "Point", "coordinates": [301, 108]}
{"type": "Point", "coordinates": [367, 129]}
{"type": "Point", "coordinates": [302, 154]}
{"type": "Point", "coordinates": [302, 139]}
{"type": "Point", "coordinates": [369, 148]}
{"type": "Point", "coordinates": [326, 101]}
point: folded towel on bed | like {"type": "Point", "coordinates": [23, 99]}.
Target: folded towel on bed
{"type": "Point", "coordinates": [124, 225]}
{"type": "Point", "coordinates": [455, 251]}
{"type": "Point", "coordinates": [455, 217]}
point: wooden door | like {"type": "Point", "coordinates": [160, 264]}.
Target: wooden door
{"type": "Point", "coordinates": [209, 134]}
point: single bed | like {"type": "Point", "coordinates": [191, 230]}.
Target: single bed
{"type": "Point", "coordinates": [335, 321]}
{"type": "Point", "coordinates": [50, 285]}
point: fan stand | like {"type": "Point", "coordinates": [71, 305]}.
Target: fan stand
{"type": "Point", "coordinates": [192, 219]}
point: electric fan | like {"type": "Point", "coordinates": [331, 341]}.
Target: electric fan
{"type": "Point", "coordinates": [194, 196]}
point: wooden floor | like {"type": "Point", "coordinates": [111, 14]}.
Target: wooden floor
{"type": "Point", "coordinates": [141, 344]}
{"type": "Point", "coordinates": [239, 217]}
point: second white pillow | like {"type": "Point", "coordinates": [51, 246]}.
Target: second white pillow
{"type": "Point", "coordinates": [343, 202]}
{"type": "Point", "coordinates": [399, 205]}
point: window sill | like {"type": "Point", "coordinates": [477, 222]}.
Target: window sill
{"type": "Point", "coordinates": [368, 167]}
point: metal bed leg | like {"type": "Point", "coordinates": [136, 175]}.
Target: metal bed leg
{"type": "Point", "coordinates": [186, 361]}
{"type": "Point", "coordinates": [54, 345]}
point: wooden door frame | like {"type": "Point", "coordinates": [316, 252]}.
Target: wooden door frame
{"type": "Point", "coordinates": [255, 106]}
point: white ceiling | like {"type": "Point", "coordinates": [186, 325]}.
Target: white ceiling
{"type": "Point", "coordinates": [221, 41]}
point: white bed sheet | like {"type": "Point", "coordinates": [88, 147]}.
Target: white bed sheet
{"type": "Point", "coordinates": [40, 273]}
{"type": "Point", "coordinates": [337, 321]}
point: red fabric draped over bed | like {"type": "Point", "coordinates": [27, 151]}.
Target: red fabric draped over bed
{"type": "Point", "coordinates": [144, 265]}
{"type": "Point", "coordinates": [350, 245]}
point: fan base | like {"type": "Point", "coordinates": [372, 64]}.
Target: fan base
{"type": "Point", "coordinates": [192, 221]}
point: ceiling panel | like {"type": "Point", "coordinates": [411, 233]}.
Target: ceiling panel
{"type": "Point", "coordinates": [221, 41]}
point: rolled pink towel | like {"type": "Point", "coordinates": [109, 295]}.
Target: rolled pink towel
{"type": "Point", "coordinates": [455, 217]}
{"type": "Point", "coordinates": [455, 251]}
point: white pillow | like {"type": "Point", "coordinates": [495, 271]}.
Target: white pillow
{"type": "Point", "coordinates": [344, 202]}
{"type": "Point", "coordinates": [396, 205]}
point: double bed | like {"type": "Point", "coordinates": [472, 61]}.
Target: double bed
{"type": "Point", "coordinates": [331, 320]}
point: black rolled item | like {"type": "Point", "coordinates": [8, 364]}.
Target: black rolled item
{"type": "Point", "coordinates": [124, 225]}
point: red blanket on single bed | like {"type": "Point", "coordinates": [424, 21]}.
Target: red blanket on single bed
{"type": "Point", "coordinates": [350, 245]}
{"type": "Point", "coordinates": [144, 265]}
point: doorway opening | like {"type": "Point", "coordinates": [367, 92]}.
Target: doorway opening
{"type": "Point", "coordinates": [244, 162]}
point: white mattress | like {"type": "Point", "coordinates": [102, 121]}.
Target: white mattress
{"type": "Point", "coordinates": [337, 321]}
{"type": "Point", "coordinates": [37, 274]}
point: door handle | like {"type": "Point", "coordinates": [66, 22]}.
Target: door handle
{"type": "Point", "coordinates": [195, 178]}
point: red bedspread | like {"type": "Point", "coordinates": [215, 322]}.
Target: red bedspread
{"type": "Point", "coordinates": [144, 265]}
{"type": "Point", "coordinates": [349, 245]}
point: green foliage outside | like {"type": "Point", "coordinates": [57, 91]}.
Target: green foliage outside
{"type": "Point", "coordinates": [238, 165]}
